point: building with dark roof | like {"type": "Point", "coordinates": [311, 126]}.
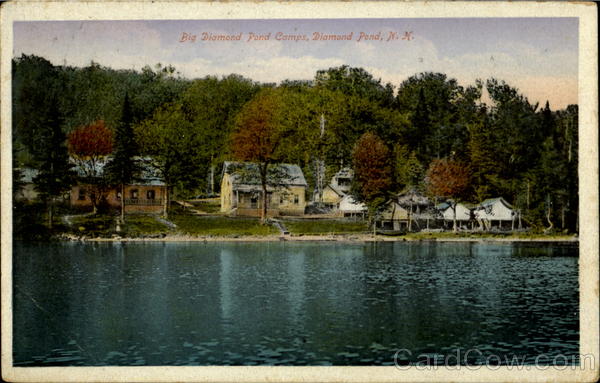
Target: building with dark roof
{"type": "Point", "coordinates": [241, 189]}
{"type": "Point", "coordinates": [146, 194]}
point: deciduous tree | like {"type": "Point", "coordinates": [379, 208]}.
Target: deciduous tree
{"type": "Point", "coordinates": [90, 146]}
{"type": "Point", "coordinates": [258, 136]}
{"type": "Point", "coordinates": [372, 171]}
{"type": "Point", "coordinates": [174, 148]}
{"type": "Point", "coordinates": [449, 179]}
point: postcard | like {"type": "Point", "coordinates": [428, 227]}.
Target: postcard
{"type": "Point", "coordinates": [302, 191]}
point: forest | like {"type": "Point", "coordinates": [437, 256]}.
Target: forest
{"type": "Point", "coordinates": [503, 146]}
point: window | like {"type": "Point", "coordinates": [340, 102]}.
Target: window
{"type": "Point", "coordinates": [150, 194]}
{"type": "Point", "coordinates": [296, 199]}
{"type": "Point", "coordinates": [81, 195]}
{"type": "Point", "coordinates": [254, 202]}
{"type": "Point", "coordinates": [134, 194]}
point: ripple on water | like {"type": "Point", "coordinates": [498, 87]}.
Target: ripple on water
{"type": "Point", "coordinates": [257, 304]}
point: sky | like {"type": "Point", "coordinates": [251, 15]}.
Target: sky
{"type": "Point", "coordinates": [539, 56]}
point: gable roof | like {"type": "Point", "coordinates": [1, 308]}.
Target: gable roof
{"type": "Point", "coordinates": [246, 173]}
{"type": "Point", "coordinates": [445, 205]}
{"type": "Point", "coordinates": [349, 204]}
{"type": "Point", "coordinates": [148, 174]}
{"type": "Point", "coordinates": [492, 201]}
{"type": "Point", "coordinates": [335, 190]}
{"type": "Point", "coordinates": [412, 197]}
{"type": "Point", "coordinates": [442, 206]}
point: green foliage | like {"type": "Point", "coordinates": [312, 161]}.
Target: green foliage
{"type": "Point", "coordinates": [526, 155]}
{"type": "Point", "coordinates": [211, 105]}
{"type": "Point", "coordinates": [220, 226]}
{"type": "Point", "coordinates": [55, 175]}
{"type": "Point", "coordinates": [139, 225]}
{"type": "Point", "coordinates": [122, 168]}
{"type": "Point", "coordinates": [86, 94]}
{"type": "Point", "coordinates": [35, 83]}
{"type": "Point", "coordinates": [173, 146]}
{"type": "Point", "coordinates": [93, 226]}
{"type": "Point", "coordinates": [408, 171]}
{"type": "Point", "coordinates": [355, 82]}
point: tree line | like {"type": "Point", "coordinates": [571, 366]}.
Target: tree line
{"type": "Point", "coordinates": [395, 137]}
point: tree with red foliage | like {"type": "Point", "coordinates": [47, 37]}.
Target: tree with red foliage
{"type": "Point", "coordinates": [257, 138]}
{"type": "Point", "coordinates": [89, 146]}
{"type": "Point", "coordinates": [448, 178]}
{"type": "Point", "coordinates": [372, 171]}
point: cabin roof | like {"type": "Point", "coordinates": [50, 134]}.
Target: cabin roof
{"type": "Point", "coordinates": [492, 201]}
{"type": "Point", "coordinates": [246, 174]}
{"type": "Point", "coordinates": [412, 197]}
{"type": "Point", "coordinates": [335, 190]}
{"type": "Point", "coordinates": [148, 174]}
{"type": "Point", "coordinates": [349, 204]}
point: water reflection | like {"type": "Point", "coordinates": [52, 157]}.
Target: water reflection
{"type": "Point", "coordinates": [289, 303]}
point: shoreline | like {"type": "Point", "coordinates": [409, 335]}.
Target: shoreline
{"type": "Point", "coordinates": [359, 238]}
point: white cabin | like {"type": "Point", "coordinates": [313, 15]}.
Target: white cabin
{"type": "Point", "coordinates": [495, 210]}
{"type": "Point", "coordinates": [348, 207]}
{"type": "Point", "coordinates": [463, 213]}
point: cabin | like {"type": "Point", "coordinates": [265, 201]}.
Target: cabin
{"type": "Point", "coordinates": [332, 196]}
{"type": "Point", "coordinates": [337, 189]}
{"type": "Point", "coordinates": [146, 194]}
{"type": "Point", "coordinates": [463, 214]}
{"type": "Point", "coordinates": [350, 208]}
{"type": "Point", "coordinates": [241, 190]}
{"type": "Point", "coordinates": [421, 212]}
{"type": "Point", "coordinates": [495, 211]}
{"type": "Point", "coordinates": [393, 217]}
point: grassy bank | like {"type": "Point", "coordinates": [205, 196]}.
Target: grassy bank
{"type": "Point", "coordinates": [139, 225]}
{"type": "Point", "coordinates": [220, 226]}
{"type": "Point", "coordinates": [325, 227]}
{"type": "Point", "coordinates": [105, 225]}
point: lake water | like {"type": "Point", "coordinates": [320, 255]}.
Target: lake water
{"type": "Point", "coordinates": [284, 303]}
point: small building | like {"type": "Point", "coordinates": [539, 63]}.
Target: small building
{"type": "Point", "coordinates": [495, 211]}
{"type": "Point", "coordinates": [420, 209]}
{"type": "Point", "coordinates": [338, 187]}
{"type": "Point", "coordinates": [144, 195]}
{"type": "Point", "coordinates": [332, 196]}
{"type": "Point", "coordinates": [349, 207]}
{"type": "Point", "coordinates": [463, 212]}
{"type": "Point", "coordinates": [393, 217]}
{"type": "Point", "coordinates": [241, 190]}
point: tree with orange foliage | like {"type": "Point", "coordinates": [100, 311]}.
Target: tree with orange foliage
{"type": "Point", "coordinates": [372, 171]}
{"type": "Point", "coordinates": [257, 138]}
{"type": "Point", "coordinates": [89, 146]}
{"type": "Point", "coordinates": [448, 178]}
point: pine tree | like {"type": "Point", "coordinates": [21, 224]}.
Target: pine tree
{"type": "Point", "coordinates": [123, 167]}
{"type": "Point", "coordinates": [55, 175]}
